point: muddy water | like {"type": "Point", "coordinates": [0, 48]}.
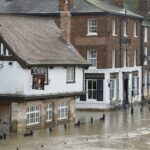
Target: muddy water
{"type": "Point", "coordinates": [119, 131]}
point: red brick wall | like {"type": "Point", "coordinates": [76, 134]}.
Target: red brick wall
{"type": "Point", "coordinates": [104, 42]}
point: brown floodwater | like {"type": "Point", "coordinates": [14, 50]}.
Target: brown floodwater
{"type": "Point", "coordinates": [119, 131]}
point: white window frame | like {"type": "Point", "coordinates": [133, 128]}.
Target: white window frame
{"type": "Point", "coordinates": [33, 115]}
{"type": "Point", "coordinates": [62, 110]}
{"type": "Point", "coordinates": [92, 59]}
{"type": "Point", "coordinates": [128, 59]}
{"type": "Point", "coordinates": [145, 34]}
{"type": "Point", "coordinates": [113, 58]}
{"type": "Point", "coordinates": [92, 27]}
{"type": "Point", "coordinates": [145, 56]}
{"type": "Point", "coordinates": [4, 51]}
{"type": "Point", "coordinates": [70, 74]}
{"type": "Point", "coordinates": [49, 112]}
{"type": "Point", "coordinates": [135, 86]}
{"type": "Point", "coordinates": [114, 27]}
{"type": "Point", "coordinates": [114, 87]}
{"type": "Point", "coordinates": [125, 28]}
{"type": "Point", "coordinates": [134, 59]}
{"type": "Point", "coordinates": [125, 58]}
{"type": "Point", "coordinates": [135, 29]}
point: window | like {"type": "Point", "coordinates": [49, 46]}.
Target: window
{"type": "Point", "coordinates": [92, 57]}
{"type": "Point", "coordinates": [33, 115]}
{"type": "Point", "coordinates": [92, 27]}
{"type": "Point", "coordinates": [62, 110]}
{"type": "Point", "coordinates": [128, 59]}
{"type": "Point", "coordinates": [40, 71]}
{"type": "Point", "coordinates": [49, 112]}
{"type": "Point", "coordinates": [135, 29]}
{"type": "Point", "coordinates": [38, 82]}
{"type": "Point", "coordinates": [125, 28]}
{"type": "Point", "coordinates": [70, 74]}
{"type": "Point", "coordinates": [125, 58]}
{"type": "Point", "coordinates": [135, 85]}
{"type": "Point", "coordinates": [145, 34]}
{"type": "Point", "coordinates": [113, 27]}
{"type": "Point", "coordinates": [114, 89]}
{"type": "Point", "coordinates": [145, 56]}
{"type": "Point", "coordinates": [4, 51]}
{"type": "Point", "coordinates": [92, 89]}
{"type": "Point", "coordinates": [134, 59]}
{"type": "Point", "coordinates": [113, 58]}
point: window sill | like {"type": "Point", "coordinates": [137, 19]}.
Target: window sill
{"type": "Point", "coordinates": [62, 118]}
{"type": "Point", "coordinates": [125, 35]}
{"type": "Point", "coordinates": [92, 34]}
{"type": "Point", "coordinates": [69, 82]}
{"type": "Point", "coordinates": [114, 34]}
{"type": "Point", "coordinates": [93, 67]}
{"type": "Point", "coordinates": [48, 120]}
{"type": "Point", "coordinates": [33, 124]}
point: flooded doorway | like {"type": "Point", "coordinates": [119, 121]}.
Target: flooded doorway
{"type": "Point", "coordinates": [125, 88]}
{"type": "Point", "coordinates": [5, 113]}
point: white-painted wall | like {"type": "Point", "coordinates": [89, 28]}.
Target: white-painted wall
{"type": "Point", "coordinates": [94, 104]}
{"type": "Point", "coordinates": [16, 80]}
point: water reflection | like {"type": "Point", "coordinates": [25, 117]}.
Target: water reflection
{"type": "Point", "coordinates": [119, 131]}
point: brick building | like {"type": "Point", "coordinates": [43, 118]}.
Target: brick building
{"type": "Point", "coordinates": [144, 9]}
{"type": "Point", "coordinates": [109, 37]}
{"type": "Point", "coordinates": [104, 33]}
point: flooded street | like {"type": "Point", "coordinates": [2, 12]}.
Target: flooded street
{"type": "Point", "coordinates": [119, 131]}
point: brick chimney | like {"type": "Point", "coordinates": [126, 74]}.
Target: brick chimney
{"type": "Point", "coordinates": [65, 21]}
{"type": "Point", "coordinates": [143, 7]}
{"type": "Point", "coordinates": [118, 3]}
{"type": "Point", "coordinates": [69, 4]}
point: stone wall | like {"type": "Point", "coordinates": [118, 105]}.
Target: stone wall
{"type": "Point", "coordinates": [18, 113]}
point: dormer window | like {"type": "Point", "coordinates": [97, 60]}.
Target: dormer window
{"type": "Point", "coordinates": [92, 27]}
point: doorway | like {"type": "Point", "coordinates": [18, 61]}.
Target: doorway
{"type": "Point", "coordinates": [125, 92]}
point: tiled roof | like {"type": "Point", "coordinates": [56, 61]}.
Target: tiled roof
{"type": "Point", "coordinates": [106, 5]}
{"type": "Point", "coordinates": [38, 41]}
{"type": "Point", "coordinates": [52, 6]}
{"type": "Point", "coordinates": [29, 6]}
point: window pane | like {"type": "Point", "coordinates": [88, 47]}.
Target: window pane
{"type": "Point", "coordinates": [90, 84]}
{"type": "Point", "coordinates": [92, 26]}
{"type": "Point", "coordinates": [70, 74]}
